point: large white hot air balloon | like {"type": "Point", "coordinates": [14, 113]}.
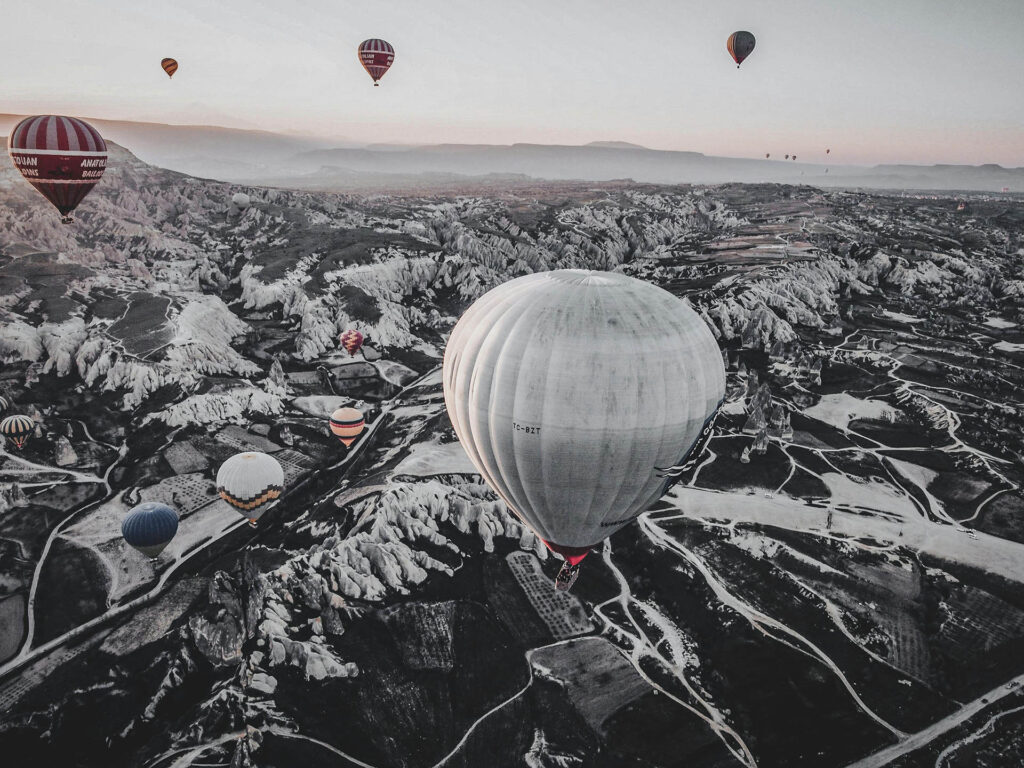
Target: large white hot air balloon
{"type": "Point", "coordinates": [250, 482]}
{"type": "Point", "coordinates": [573, 392]}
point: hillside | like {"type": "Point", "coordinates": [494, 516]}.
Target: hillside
{"type": "Point", "coordinates": [837, 576]}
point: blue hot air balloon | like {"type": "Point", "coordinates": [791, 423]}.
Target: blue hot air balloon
{"type": "Point", "coordinates": [149, 528]}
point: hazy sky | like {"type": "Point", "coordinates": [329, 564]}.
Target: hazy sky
{"type": "Point", "coordinates": [876, 80]}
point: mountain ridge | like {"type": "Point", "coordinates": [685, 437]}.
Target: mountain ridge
{"type": "Point", "coordinates": [264, 157]}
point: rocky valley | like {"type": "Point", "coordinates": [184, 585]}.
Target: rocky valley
{"type": "Point", "coordinates": [838, 581]}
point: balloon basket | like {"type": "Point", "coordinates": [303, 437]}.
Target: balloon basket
{"type": "Point", "coordinates": [67, 219]}
{"type": "Point", "coordinates": [252, 523]}
{"type": "Point", "coordinates": [567, 576]}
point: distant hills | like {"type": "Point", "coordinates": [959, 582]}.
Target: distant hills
{"type": "Point", "coordinates": [614, 145]}
{"type": "Point", "coordinates": [263, 157]}
{"type": "Point", "coordinates": [200, 150]}
{"type": "Point", "coordinates": [603, 161]}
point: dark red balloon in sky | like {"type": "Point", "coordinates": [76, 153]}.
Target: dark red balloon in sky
{"type": "Point", "coordinates": [740, 45]}
{"type": "Point", "coordinates": [62, 157]}
{"type": "Point", "coordinates": [377, 57]}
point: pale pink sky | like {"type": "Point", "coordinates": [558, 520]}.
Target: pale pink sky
{"type": "Point", "coordinates": [917, 81]}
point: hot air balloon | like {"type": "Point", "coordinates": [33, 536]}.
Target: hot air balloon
{"type": "Point", "coordinates": [787, 157]}
{"type": "Point", "coordinates": [4, 405]}
{"type": "Point", "coordinates": [62, 157]}
{"type": "Point", "coordinates": [572, 392]}
{"type": "Point", "coordinates": [17, 429]}
{"type": "Point", "coordinates": [376, 56]}
{"type": "Point", "coordinates": [827, 151]}
{"type": "Point", "coordinates": [149, 528]}
{"type": "Point", "coordinates": [347, 424]}
{"type": "Point", "coordinates": [250, 482]}
{"type": "Point", "coordinates": [794, 157]}
{"type": "Point", "coordinates": [767, 155]}
{"type": "Point", "coordinates": [170, 66]}
{"type": "Point", "coordinates": [352, 341]}
{"type": "Point", "coordinates": [240, 200]}
{"type": "Point", "coordinates": [740, 45]}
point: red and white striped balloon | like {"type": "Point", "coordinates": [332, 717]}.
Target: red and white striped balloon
{"type": "Point", "coordinates": [62, 157]}
{"type": "Point", "coordinates": [376, 56]}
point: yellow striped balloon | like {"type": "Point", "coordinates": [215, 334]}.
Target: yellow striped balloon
{"type": "Point", "coordinates": [347, 424]}
{"type": "Point", "coordinates": [170, 66]}
{"type": "Point", "coordinates": [17, 429]}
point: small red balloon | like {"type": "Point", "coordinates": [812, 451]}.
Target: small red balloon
{"type": "Point", "coordinates": [352, 341]}
{"type": "Point", "coordinates": [376, 56]}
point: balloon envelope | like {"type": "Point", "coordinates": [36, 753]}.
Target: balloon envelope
{"type": "Point", "coordinates": [376, 56]}
{"type": "Point", "coordinates": [62, 157]}
{"type": "Point", "coordinates": [250, 482]}
{"type": "Point", "coordinates": [240, 200]}
{"type": "Point", "coordinates": [170, 66]}
{"type": "Point", "coordinates": [347, 424]}
{"type": "Point", "coordinates": [149, 527]}
{"type": "Point", "coordinates": [572, 390]}
{"type": "Point", "coordinates": [18, 429]}
{"type": "Point", "coordinates": [352, 341]}
{"type": "Point", "coordinates": [740, 45]}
